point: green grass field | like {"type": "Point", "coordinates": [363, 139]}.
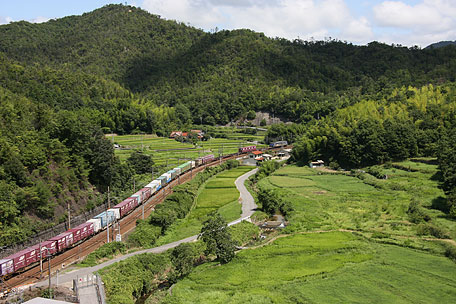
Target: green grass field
{"type": "Point", "coordinates": [332, 267]}
{"type": "Point", "coordinates": [384, 259]}
{"type": "Point", "coordinates": [218, 193]}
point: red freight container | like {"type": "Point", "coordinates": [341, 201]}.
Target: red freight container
{"type": "Point", "coordinates": [135, 201]}
{"type": "Point", "coordinates": [82, 231]}
{"type": "Point", "coordinates": [88, 230]}
{"type": "Point", "coordinates": [6, 266]}
{"type": "Point", "coordinates": [43, 250]}
{"type": "Point", "coordinates": [247, 149]}
{"type": "Point", "coordinates": [49, 245]}
{"type": "Point", "coordinates": [143, 194]}
{"type": "Point", "coordinates": [76, 233]}
{"type": "Point", "coordinates": [18, 260]}
{"type": "Point", "coordinates": [63, 240]}
{"type": "Point", "coordinates": [125, 206]}
{"type": "Point", "coordinates": [31, 255]}
{"type": "Point", "coordinates": [147, 193]}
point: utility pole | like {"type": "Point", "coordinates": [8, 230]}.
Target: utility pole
{"type": "Point", "coordinates": [49, 267]}
{"type": "Point", "coordinates": [107, 218]}
{"type": "Point", "coordinates": [134, 185]}
{"type": "Point", "coordinates": [69, 216]}
{"type": "Point", "coordinates": [41, 262]}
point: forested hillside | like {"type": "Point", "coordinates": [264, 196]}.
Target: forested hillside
{"type": "Point", "coordinates": [65, 82]}
{"type": "Point", "coordinates": [222, 75]}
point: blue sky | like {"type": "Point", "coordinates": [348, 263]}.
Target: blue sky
{"type": "Point", "coordinates": [406, 22]}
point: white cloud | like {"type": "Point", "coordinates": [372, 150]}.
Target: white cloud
{"type": "Point", "coordinates": [276, 18]}
{"type": "Point", "coordinates": [39, 19]}
{"type": "Point", "coordinates": [5, 20]}
{"type": "Point", "coordinates": [358, 30]}
{"type": "Point", "coordinates": [423, 23]}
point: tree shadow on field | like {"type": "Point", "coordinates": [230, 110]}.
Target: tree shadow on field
{"type": "Point", "coordinates": [440, 203]}
{"type": "Point", "coordinates": [437, 176]}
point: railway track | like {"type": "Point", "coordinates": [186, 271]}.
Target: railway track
{"type": "Point", "coordinates": [81, 250]}
{"type": "Point", "coordinates": [127, 224]}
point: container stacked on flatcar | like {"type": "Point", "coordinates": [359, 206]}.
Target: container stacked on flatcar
{"type": "Point", "coordinates": [205, 159]}
{"type": "Point", "coordinates": [277, 144]}
{"type": "Point", "coordinates": [247, 149]}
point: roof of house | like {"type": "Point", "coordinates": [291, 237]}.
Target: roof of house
{"type": "Point", "coordinates": [318, 162]}
{"type": "Point", "coordinates": [257, 152]}
{"type": "Point", "coordinates": [175, 133]}
{"type": "Point", "coordinates": [259, 158]}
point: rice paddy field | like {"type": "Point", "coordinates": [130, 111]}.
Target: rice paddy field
{"type": "Point", "coordinates": [218, 193]}
{"type": "Point", "coordinates": [349, 240]}
{"type": "Point", "coordinates": [169, 152]}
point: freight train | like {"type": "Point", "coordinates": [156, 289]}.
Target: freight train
{"type": "Point", "coordinates": [20, 261]}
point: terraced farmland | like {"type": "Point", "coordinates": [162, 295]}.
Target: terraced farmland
{"type": "Point", "coordinates": [170, 153]}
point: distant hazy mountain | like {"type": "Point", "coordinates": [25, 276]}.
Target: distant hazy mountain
{"type": "Point", "coordinates": [440, 44]}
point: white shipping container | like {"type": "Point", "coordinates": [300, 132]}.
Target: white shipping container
{"type": "Point", "coordinates": [116, 212]}
{"type": "Point", "coordinates": [154, 185]}
{"type": "Point", "coordinates": [96, 224]}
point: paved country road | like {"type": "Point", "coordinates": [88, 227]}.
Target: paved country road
{"type": "Point", "coordinates": [248, 207]}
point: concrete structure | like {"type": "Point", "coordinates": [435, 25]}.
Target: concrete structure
{"type": "Point", "coordinates": [318, 163]}
{"type": "Point", "coordinates": [40, 300]}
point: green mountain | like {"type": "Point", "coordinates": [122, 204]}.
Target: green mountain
{"type": "Point", "coordinates": [440, 44]}
{"type": "Point", "coordinates": [218, 76]}
{"type": "Point", "coordinates": [120, 69]}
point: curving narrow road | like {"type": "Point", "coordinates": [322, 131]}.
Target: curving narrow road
{"type": "Point", "coordinates": [248, 207]}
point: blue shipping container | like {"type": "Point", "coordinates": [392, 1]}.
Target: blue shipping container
{"type": "Point", "coordinates": [111, 216]}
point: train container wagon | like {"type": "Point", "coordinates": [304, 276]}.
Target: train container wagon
{"type": "Point", "coordinates": [82, 231]}
{"type": "Point", "coordinates": [43, 254]}
{"type": "Point", "coordinates": [247, 149]}
{"type": "Point", "coordinates": [205, 159]}
{"type": "Point", "coordinates": [31, 255]}
{"type": "Point", "coordinates": [64, 240]}
{"type": "Point", "coordinates": [6, 267]}
{"type": "Point", "coordinates": [87, 230]}
{"type": "Point", "coordinates": [125, 206]}
{"type": "Point", "coordinates": [172, 174]}
{"type": "Point", "coordinates": [116, 212]}
{"type": "Point", "coordinates": [76, 233]}
{"type": "Point", "coordinates": [163, 180]}
{"type": "Point", "coordinates": [143, 195]}
{"type": "Point", "coordinates": [185, 167]}
{"type": "Point", "coordinates": [18, 259]}
{"type": "Point", "coordinates": [277, 144]}
{"type": "Point", "coordinates": [147, 193]}
{"type": "Point", "coordinates": [106, 217]}
{"type": "Point", "coordinates": [178, 170]}
{"type": "Point", "coordinates": [135, 201]}
{"type": "Point", "coordinates": [96, 224]}
{"type": "Point", "coordinates": [154, 186]}
{"type": "Point", "coordinates": [168, 176]}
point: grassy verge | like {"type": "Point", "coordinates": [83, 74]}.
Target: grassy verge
{"type": "Point", "coordinates": [218, 193]}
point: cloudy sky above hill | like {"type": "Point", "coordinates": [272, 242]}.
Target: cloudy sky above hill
{"type": "Point", "coordinates": [405, 22]}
